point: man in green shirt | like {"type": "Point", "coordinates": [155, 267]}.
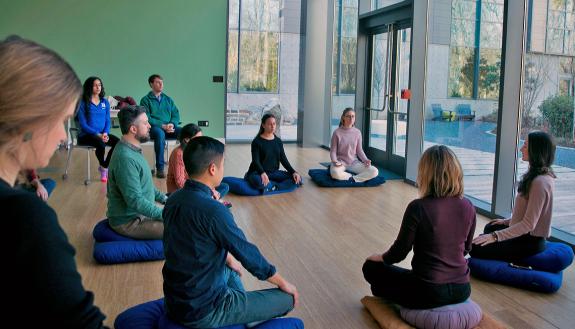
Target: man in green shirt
{"type": "Point", "coordinates": [164, 118]}
{"type": "Point", "coordinates": [132, 196]}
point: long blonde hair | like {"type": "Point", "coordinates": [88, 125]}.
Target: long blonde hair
{"type": "Point", "coordinates": [36, 87]}
{"type": "Point", "coordinates": [439, 173]}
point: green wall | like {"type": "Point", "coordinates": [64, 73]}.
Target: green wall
{"type": "Point", "coordinates": [124, 41]}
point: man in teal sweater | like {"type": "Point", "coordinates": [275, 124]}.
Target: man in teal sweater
{"type": "Point", "coordinates": [132, 196]}
{"type": "Point", "coordinates": [164, 118]}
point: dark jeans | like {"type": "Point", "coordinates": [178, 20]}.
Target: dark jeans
{"type": "Point", "coordinates": [278, 177]}
{"type": "Point", "coordinates": [95, 141]}
{"type": "Point", "coordinates": [512, 250]}
{"type": "Point", "coordinates": [245, 307]}
{"type": "Point", "coordinates": [159, 136]}
{"type": "Point", "coordinates": [49, 185]}
{"type": "Point", "coordinates": [401, 286]}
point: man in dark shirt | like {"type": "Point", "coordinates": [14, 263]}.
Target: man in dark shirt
{"type": "Point", "coordinates": [202, 286]}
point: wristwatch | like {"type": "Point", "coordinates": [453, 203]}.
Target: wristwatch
{"type": "Point", "coordinates": [494, 235]}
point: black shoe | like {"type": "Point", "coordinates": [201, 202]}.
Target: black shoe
{"type": "Point", "coordinates": [160, 174]}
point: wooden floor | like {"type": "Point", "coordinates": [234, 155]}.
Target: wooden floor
{"type": "Point", "coordinates": [317, 238]}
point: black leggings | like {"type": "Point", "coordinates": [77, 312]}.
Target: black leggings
{"type": "Point", "coordinates": [95, 141]}
{"type": "Point", "coordinates": [401, 286]}
{"type": "Point", "coordinates": [512, 250]}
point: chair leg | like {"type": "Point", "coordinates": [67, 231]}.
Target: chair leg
{"type": "Point", "coordinates": [65, 175]}
{"type": "Point", "coordinates": [87, 181]}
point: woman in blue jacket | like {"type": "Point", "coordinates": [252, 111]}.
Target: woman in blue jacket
{"type": "Point", "coordinates": [94, 120]}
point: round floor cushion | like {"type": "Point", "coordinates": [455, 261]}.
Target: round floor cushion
{"type": "Point", "coordinates": [151, 315]}
{"type": "Point", "coordinates": [464, 315]}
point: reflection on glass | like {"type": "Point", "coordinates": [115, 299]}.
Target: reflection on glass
{"type": "Point", "coordinates": [462, 96]}
{"type": "Point", "coordinates": [345, 21]}
{"type": "Point", "coordinates": [378, 122]}
{"type": "Point", "coordinates": [548, 104]}
{"type": "Point", "coordinates": [400, 123]}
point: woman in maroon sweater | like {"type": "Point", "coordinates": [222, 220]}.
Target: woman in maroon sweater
{"type": "Point", "coordinates": [439, 227]}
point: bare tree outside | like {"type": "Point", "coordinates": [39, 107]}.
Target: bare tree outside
{"type": "Point", "coordinates": [535, 77]}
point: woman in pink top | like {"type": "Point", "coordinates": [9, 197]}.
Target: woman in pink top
{"type": "Point", "coordinates": [177, 175]}
{"type": "Point", "coordinates": [524, 234]}
{"type": "Point", "coordinates": [346, 152]}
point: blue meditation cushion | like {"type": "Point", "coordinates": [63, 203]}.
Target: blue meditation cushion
{"type": "Point", "coordinates": [151, 315]}
{"type": "Point", "coordinates": [241, 186]}
{"type": "Point", "coordinates": [464, 315]}
{"type": "Point", "coordinates": [501, 272]}
{"type": "Point", "coordinates": [113, 248]}
{"type": "Point", "coordinates": [104, 233]}
{"type": "Point", "coordinates": [556, 257]}
{"type": "Point", "coordinates": [322, 178]}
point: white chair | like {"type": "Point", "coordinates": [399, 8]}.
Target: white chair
{"type": "Point", "coordinates": [73, 143]}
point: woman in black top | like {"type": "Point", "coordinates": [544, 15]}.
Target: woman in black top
{"type": "Point", "coordinates": [267, 154]}
{"type": "Point", "coordinates": [38, 93]}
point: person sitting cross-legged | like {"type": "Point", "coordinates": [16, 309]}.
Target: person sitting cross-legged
{"type": "Point", "coordinates": [132, 210]}
{"type": "Point", "coordinates": [177, 174]}
{"type": "Point", "coordinates": [525, 233]}
{"type": "Point", "coordinates": [203, 245]}
{"type": "Point", "coordinates": [267, 154]}
{"type": "Point", "coordinates": [347, 153]}
{"type": "Point", "coordinates": [439, 228]}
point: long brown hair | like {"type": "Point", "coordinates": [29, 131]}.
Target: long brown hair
{"type": "Point", "coordinates": [346, 111]}
{"type": "Point", "coordinates": [439, 173]}
{"type": "Point", "coordinates": [36, 87]}
{"type": "Point", "coordinates": [541, 150]}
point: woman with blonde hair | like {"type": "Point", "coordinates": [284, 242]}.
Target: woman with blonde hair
{"type": "Point", "coordinates": [346, 152]}
{"type": "Point", "coordinates": [38, 93]}
{"type": "Point", "coordinates": [439, 226]}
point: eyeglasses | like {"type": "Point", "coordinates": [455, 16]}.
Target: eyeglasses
{"type": "Point", "coordinates": [349, 116]}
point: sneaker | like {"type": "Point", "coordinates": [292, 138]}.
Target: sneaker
{"type": "Point", "coordinates": [103, 174]}
{"type": "Point", "coordinates": [160, 173]}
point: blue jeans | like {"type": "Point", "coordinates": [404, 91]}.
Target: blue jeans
{"type": "Point", "coordinates": [241, 307]}
{"type": "Point", "coordinates": [159, 136]}
{"type": "Point", "coordinates": [278, 177]}
{"type": "Point", "coordinates": [49, 185]}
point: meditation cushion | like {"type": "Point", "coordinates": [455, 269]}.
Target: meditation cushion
{"type": "Point", "coordinates": [113, 248]}
{"type": "Point", "coordinates": [322, 178]}
{"type": "Point", "coordinates": [151, 315]}
{"type": "Point", "coordinates": [464, 315]}
{"type": "Point", "coordinates": [387, 316]}
{"type": "Point", "coordinates": [501, 272]}
{"type": "Point", "coordinates": [556, 257]}
{"type": "Point", "coordinates": [241, 186]}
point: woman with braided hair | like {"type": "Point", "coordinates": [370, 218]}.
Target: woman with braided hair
{"type": "Point", "coordinates": [524, 234]}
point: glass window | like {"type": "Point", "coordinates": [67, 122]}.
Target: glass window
{"type": "Point", "coordinates": [461, 72]}
{"type": "Point", "coordinates": [463, 33]}
{"type": "Point", "coordinates": [548, 105]}
{"type": "Point", "coordinates": [259, 30]}
{"type": "Point", "coordinates": [489, 73]}
{"type": "Point", "coordinates": [344, 60]}
{"type": "Point", "coordinates": [462, 91]}
{"type": "Point", "coordinates": [263, 67]}
{"type": "Point", "coordinates": [560, 27]}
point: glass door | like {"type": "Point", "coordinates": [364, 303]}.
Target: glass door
{"type": "Point", "coordinates": [388, 95]}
